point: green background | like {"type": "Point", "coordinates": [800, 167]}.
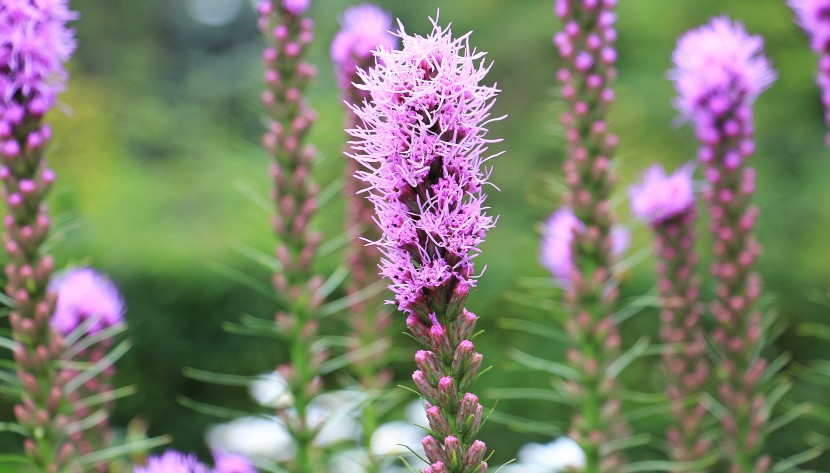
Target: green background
{"type": "Point", "coordinates": [156, 149]}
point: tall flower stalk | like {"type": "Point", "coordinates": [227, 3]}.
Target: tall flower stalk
{"type": "Point", "coordinates": [667, 204]}
{"type": "Point", "coordinates": [421, 143]}
{"type": "Point", "coordinates": [365, 27]}
{"type": "Point", "coordinates": [719, 72]}
{"type": "Point", "coordinates": [289, 33]}
{"type": "Point", "coordinates": [34, 45]}
{"type": "Point", "coordinates": [814, 17]}
{"type": "Point", "coordinates": [586, 46]}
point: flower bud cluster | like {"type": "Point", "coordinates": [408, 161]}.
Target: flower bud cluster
{"type": "Point", "coordinates": [586, 47]}
{"type": "Point", "coordinates": [666, 203]}
{"type": "Point", "coordinates": [719, 72]}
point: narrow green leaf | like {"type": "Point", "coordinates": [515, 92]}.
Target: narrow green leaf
{"type": "Point", "coordinates": [125, 449]}
{"type": "Point", "coordinates": [114, 355]}
{"type": "Point", "coordinates": [76, 345]}
{"type": "Point", "coordinates": [7, 343]}
{"type": "Point", "coordinates": [624, 443]}
{"type": "Point", "coordinates": [243, 279]}
{"type": "Point", "coordinates": [14, 428]}
{"type": "Point", "coordinates": [352, 357]}
{"type": "Point", "coordinates": [338, 305]}
{"type": "Point", "coordinates": [523, 425]}
{"type": "Point", "coordinates": [527, 393]}
{"type": "Point", "coordinates": [637, 350]}
{"type": "Point", "coordinates": [215, 411]}
{"type": "Point", "coordinates": [333, 281]}
{"type": "Point", "coordinates": [786, 465]}
{"type": "Point", "coordinates": [263, 259]}
{"type": "Point", "coordinates": [218, 378]}
{"type": "Point", "coordinates": [254, 195]}
{"type": "Point", "coordinates": [12, 458]}
{"type": "Point", "coordinates": [534, 328]}
{"type": "Point", "coordinates": [108, 396]}
{"type": "Point", "coordinates": [540, 364]}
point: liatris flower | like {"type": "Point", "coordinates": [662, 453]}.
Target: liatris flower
{"type": "Point", "coordinates": [88, 302]}
{"type": "Point", "coordinates": [172, 462]}
{"type": "Point", "coordinates": [814, 18]}
{"type": "Point", "coordinates": [719, 72]}
{"type": "Point", "coordinates": [35, 43]}
{"type": "Point", "coordinates": [295, 198]}
{"type": "Point", "coordinates": [365, 28]}
{"type": "Point", "coordinates": [557, 241]}
{"type": "Point", "coordinates": [667, 204]}
{"type": "Point", "coordinates": [230, 463]}
{"type": "Point", "coordinates": [422, 140]}
{"type": "Point", "coordinates": [586, 45]}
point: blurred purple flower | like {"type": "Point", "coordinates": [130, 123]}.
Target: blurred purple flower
{"type": "Point", "coordinates": [422, 142]}
{"type": "Point", "coordinates": [557, 239]}
{"type": "Point", "coordinates": [84, 294]}
{"type": "Point", "coordinates": [364, 28]}
{"type": "Point", "coordinates": [231, 463]}
{"type": "Point", "coordinates": [34, 44]}
{"type": "Point", "coordinates": [172, 462]}
{"type": "Point", "coordinates": [660, 197]}
{"type": "Point", "coordinates": [814, 18]}
{"type": "Point", "coordinates": [717, 66]}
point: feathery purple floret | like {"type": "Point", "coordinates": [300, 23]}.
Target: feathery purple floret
{"type": "Point", "coordinates": [422, 142]}
{"type": "Point", "coordinates": [83, 294]}
{"type": "Point", "coordinates": [231, 463]}
{"type": "Point", "coordinates": [34, 45]}
{"type": "Point", "coordinates": [660, 197]}
{"type": "Point", "coordinates": [172, 462]}
{"type": "Point", "coordinates": [365, 27]}
{"type": "Point", "coordinates": [557, 241]}
{"type": "Point", "coordinates": [717, 66]}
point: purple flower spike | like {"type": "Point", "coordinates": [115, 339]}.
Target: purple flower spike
{"type": "Point", "coordinates": [296, 7]}
{"type": "Point", "coordinates": [422, 143]}
{"type": "Point", "coordinates": [557, 242]}
{"type": "Point", "coordinates": [35, 42]}
{"type": "Point", "coordinates": [83, 294]}
{"type": "Point", "coordinates": [365, 28]}
{"type": "Point", "coordinates": [660, 197]}
{"type": "Point", "coordinates": [172, 462]}
{"type": "Point", "coordinates": [719, 72]}
{"type": "Point", "coordinates": [812, 16]}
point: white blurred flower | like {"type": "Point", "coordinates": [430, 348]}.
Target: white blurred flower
{"type": "Point", "coordinates": [349, 461]}
{"type": "Point", "coordinates": [253, 437]}
{"type": "Point", "coordinates": [271, 390]}
{"type": "Point", "coordinates": [338, 412]}
{"type": "Point", "coordinates": [392, 438]}
{"type": "Point", "coordinates": [521, 468]}
{"type": "Point", "coordinates": [213, 12]}
{"type": "Point", "coordinates": [416, 414]}
{"type": "Point", "coordinates": [563, 454]}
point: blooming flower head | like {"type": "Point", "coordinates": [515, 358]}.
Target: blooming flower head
{"type": "Point", "coordinates": [814, 17]}
{"type": "Point", "coordinates": [34, 45]}
{"type": "Point", "coordinates": [365, 28]}
{"type": "Point", "coordinates": [557, 237]}
{"type": "Point", "coordinates": [718, 67]}
{"type": "Point", "coordinates": [422, 142]}
{"type": "Point", "coordinates": [660, 197]}
{"type": "Point", "coordinates": [172, 462]}
{"type": "Point", "coordinates": [84, 295]}
{"type": "Point", "coordinates": [231, 463]}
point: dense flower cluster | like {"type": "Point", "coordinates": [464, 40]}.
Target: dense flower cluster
{"type": "Point", "coordinates": [660, 197]}
{"type": "Point", "coordinates": [176, 462]}
{"type": "Point", "coordinates": [85, 295]}
{"type": "Point", "coordinates": [364, 29]}
{"type": "Point", "coordinates": [422, 142]}
{"type": "Point", "coordinates": [717, 67]}
{"type": "Point", "coordinates": [34, 45]}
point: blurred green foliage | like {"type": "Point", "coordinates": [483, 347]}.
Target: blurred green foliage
{"type": "Point", "coordinates": [157, 154]}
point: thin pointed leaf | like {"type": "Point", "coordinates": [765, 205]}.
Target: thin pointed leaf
{"type": "Point", "coordinates": [637, 350]}
{"type": "Point", "coordinates": [79, 344]}
{"type": "Point", "coordinates": [338, 305]}
{"type": "Point", "coordinates": [254, 196]}
{"type": "Point", "coordinates": [108, 396]}
{"type": "Point", "coordinates": [333, 281]}
{"type": "Point", "coordinates": [125, 449]}
{"type": "Point", "coordinates": [98, 367]}
{"type": "Point", "coordinates": [8, 344]}
{"type": "Point", "coordinates": [218, 378]}
{"type": "Point", "coordinates": [12, 458]}
{"type": "Point", "coordinates": [215, 411]}
{"type": "Point", "coordinates": [534, 328]}
{"type": "Point", "coordinates": [624, 443]}
{"type": "Point", "coordinates": [523, 425]}
{"type": "Point", "coordinates": [527, 393]}
{"type": "Point", "coordinates": [14, 428]}
{"type": "Point", "coordinates": [243, 279]}
{"type": "Point", "coordinates": [263, 259]}
{"type": "Point", "coordinates": [787, 464]}
{"type": "Point", "coordinates": [540, 364]}
{"type": "Point", "coordinates": [787, 417]}
{"type": "Point", "coordinates": [353, 357]}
